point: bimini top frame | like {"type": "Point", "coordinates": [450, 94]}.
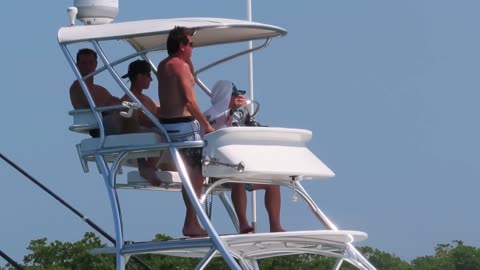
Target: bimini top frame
{"type": "Point", "coordinates": [151, 35]}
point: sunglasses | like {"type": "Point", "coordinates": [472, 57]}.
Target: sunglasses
{"type": "Point", "coordinates": [190, 44]}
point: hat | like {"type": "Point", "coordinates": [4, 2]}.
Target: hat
{"type": "Point", "coordinates": [136, 67]}
{"type": "Point", "coordinates": [236, 91]}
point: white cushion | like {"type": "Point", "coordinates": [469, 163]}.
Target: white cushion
{"type": "Point", "coordinates": [167, 177]}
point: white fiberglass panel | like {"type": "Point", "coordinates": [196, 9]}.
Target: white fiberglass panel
{"type": "Point", "coordinates": [266, 154]}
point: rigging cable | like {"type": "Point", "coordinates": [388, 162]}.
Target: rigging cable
{"type": "Point", "coordinates": [80, 215]}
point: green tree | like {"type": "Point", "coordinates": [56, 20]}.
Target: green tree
{"type": "Point", "coordinates": [58, 255]}
{"type": "Point", "coordinates": [64, 255]}
{"type": "Point", "coordinates": [454, 256]}
{"type": "Point", "coordinates": [383, 260]}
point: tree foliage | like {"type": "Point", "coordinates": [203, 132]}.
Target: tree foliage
{"type": "Point", "coordinates": [59, 255]}
{"type": "Point", "coordinates": [455, 256]}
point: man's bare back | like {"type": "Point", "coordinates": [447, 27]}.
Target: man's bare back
{"type": "Point", "coordinates": [174, 81]}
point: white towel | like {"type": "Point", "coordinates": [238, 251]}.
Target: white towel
{"type": "Point", "coordinates": [217, 115]}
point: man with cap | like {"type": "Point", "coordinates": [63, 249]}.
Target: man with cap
{"type": "Point", "coordinates": [139, 74]}
{"type": "Point", "coordinates": [226, 100]}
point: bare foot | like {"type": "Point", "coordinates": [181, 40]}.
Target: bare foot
{"type": "Point", "coordinates": [247, 229]}
{"type": "Point", "coordinates": [277, 229]}
{"type": "Point", "coordinates": [194, 232]}
{"type": "Point", "coordinates": [149, 174]}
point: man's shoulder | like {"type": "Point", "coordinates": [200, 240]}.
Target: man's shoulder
{"type": "Point", "coordinates": [98, 90]}
{"type": "Point", "coordinates": [172, 67]}
{"type": "Point", "coordinates": [175, 63]}
{"type": "Point", "coordinates": [143, 97]}
{"type": "Point", "coordinates": [75, 85]}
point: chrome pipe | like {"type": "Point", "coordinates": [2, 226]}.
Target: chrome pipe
{"type": "Point", "coordinates": [187, 185]}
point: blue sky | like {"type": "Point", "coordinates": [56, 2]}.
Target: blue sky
{"type": "Point", "coordinates": [389, 89]}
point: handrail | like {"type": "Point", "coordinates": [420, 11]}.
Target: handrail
{"type": "Point", "coordinates": [225, 59]}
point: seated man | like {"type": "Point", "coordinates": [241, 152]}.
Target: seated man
{"type": "Point", "coordinates": [86, 64]}
{"type": "Point", "coordinates": [139, 74]}
{"type": "Point", "coordinates": [225, 99]}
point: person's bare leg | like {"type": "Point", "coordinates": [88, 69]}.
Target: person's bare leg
{"type": "Point", "coordinates": [272, 204]}
{"type": "Point", "coordinates": [147, 170]}
{"type": "Point", "coordinates": [239, 200]}
{"type": "Point", "coordinates": [191, 227]}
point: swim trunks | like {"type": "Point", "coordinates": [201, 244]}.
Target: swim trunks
{"type": "Point", "coordinates": [182, 129]}
{"type": "Point", "coordinates": [109, 126]}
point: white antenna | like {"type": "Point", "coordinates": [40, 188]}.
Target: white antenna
{"type": "Point", "coordinates": [72, 12]}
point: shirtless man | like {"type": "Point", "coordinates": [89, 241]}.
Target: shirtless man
{"type": "Point", "coordinates": [140, 76]}
{"type": "Point", "coordinates": [86, 64]}
{"type": "Point", "coordinates": [181, 115]}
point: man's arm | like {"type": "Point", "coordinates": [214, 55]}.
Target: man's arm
{"type": "Point", "coordinates": [185, 77]}
{"type": "Point", "coordinates": [77, 98]}
{"type": "Point", "coordinates": [239, 101]}
{"type": "Point", "coordinates": [101, 97]}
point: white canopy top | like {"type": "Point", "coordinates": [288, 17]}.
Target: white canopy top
{"type": "Point", "coordinates": [147, 34]}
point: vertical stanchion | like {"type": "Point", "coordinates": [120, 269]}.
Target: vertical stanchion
{"type": "Point", "coordinates": [251, 107]}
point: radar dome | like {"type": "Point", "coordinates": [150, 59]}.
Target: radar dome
{"type": "Point", "coordinates": [96, 11]}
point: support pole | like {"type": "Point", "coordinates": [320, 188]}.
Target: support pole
{"type": "Point", "coordinates": [251, 107]}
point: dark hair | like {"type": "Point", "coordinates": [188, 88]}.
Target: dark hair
{"type": "Point", "coordinates": [137, 67]}
{"type": "Point", "coordinates": [176, 36]}
{"type": "Point", "coordinates": [85, 51]}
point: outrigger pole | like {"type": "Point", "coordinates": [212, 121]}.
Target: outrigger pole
{"type": "Point", "coordinates": [10, 261]}
{"type": "Point", "coordinates": [71, 208]}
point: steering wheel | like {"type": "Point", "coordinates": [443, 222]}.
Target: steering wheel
{"type": "Point", "coordinates": [256, 107]}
